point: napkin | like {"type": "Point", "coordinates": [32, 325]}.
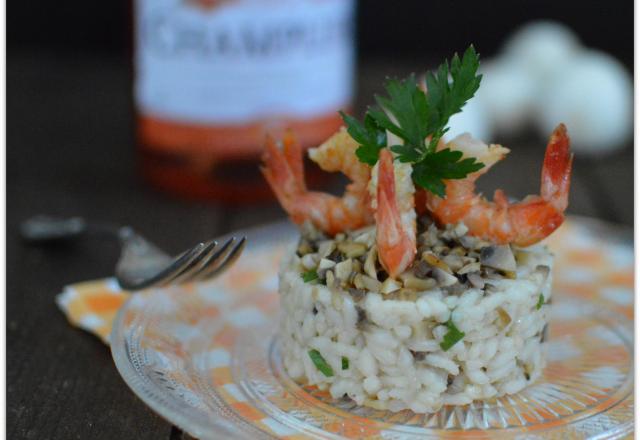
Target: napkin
{"type": "Point", "coordinates": [93, 305]}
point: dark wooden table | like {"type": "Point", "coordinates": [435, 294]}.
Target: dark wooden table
{"type": "Point", "coordinates": [70, 152]}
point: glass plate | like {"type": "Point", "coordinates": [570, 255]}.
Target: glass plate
{"type": "Point", "coordinates": [206, 357]}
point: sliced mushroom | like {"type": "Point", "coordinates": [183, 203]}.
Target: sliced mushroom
{"type": "Point", "coordinates": [444, 278]}
{"type": "Point", "coordinates": [357, 294]}
{"type": "Point", "coordinates": [330, 279]}
{"type": "Point", "coordinates": [544, 334]}
{"type": "Point", "coordinates": [490, 288]}
{"type": "Point", "coordinates": [476, 280]}
{"type": "Point", "coordinates": [440, 249]}
{"type": "Point", "coordinates": [335, 256]}
{"type": "Point", "coordinates": [460, 229]}
{"type": "Point", "coordinates": [504, 319]}
{"type": "Point", "coordinates": [410, 281]}
{"type": "Point", "coordinates": [310, 232]}
{"type": "Point", "coordinates": [343, 270]}
{"type": "Point", "coordinates": [304, 248]}
{"type": "Point", "coordinates": [357, 281]}
{"type": "Point", "coordinates": [422, 269]}
{"type": "Point", "coordinates": [522, 256]}
{"type": "Point", "coordinates": [458, 250]}
{"type": "Point", "coordinates": [432, 260]}
{"type": "Point", "coordinates": [468, 242]}
{"type": "Point", "coordinates": [325, 264]}
{"type": "Point", "coordinates": [471, 267]}
{"type": "Point", "coordinates": [309, 261]}
{"type": "Point", "coordinates": [430, 237]}
{"type": "Point", "coordinates": [389, 285]}
{"type": "Point", "coordinates": [455, 289]}
{"type": "Point", "coordinates": [498, 257]}
{"type": "Point", "coordinates": [544, 271]}
{"type": "Point", "coordinates": [370, 263]}
{"type": "Point", "coordinates": [352, 249]}
{"type": "Point", "coordinates": [365, 235]}
{"type": "Point", "coordinates": [362, 317]}
{"type": "Point", "coordinates": [371, 284]}
{"type": "Point", "coordinates": [357, 266]}
{"type": "Point", "coordinates": [454, 262]}
{"type": "Point", "coordinates": [403, 295]}
{"type": "Point", "coordinates": [325, 248]}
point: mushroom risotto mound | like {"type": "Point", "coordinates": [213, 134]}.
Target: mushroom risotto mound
{"type": "Point", "coordinates": [412, 290]}
{"type": "Point", "coordinates": [466, 321]}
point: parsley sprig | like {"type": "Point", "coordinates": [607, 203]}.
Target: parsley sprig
{"type": "Point", "coordinates": [420, 120]}
{"type": "Point", "coordinates": [540, 302]}
{"type": "Point", "coordinates": [309, 276]}
{"type": "Point", "coordinates": [321, 364]}
{"type": "Point", "coordinates": [452, 337]}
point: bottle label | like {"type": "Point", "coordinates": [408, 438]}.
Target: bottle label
{"type": "Point", "coordinates": [223, 62]}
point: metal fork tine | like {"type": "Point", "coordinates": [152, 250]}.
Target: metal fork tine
{"type": "Point", "coordinates": [203, 261]}
{"type": "Point", "coordinates": [231, 257]}
{"type": "Point", "coordinates": [194, 265]}
{"type": "Point", "coordinates": [170, 276]}
{"type": "Point", "coordinates": [184, 259]}
{"type": "Point", "coordinates": [214, 260]}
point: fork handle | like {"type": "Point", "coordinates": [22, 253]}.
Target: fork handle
{"type": "Point", "coordinates": [46, 228]}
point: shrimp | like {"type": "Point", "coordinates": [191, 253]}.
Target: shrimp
{"type": "Point", "coordinates": [394, 213]}
{"type": "Point", "coordinates": [523, 223]}
{"type": "Point", "coordinates": [283, 169]}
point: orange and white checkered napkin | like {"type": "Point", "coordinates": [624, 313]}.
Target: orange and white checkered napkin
{"type": "Point", "coordinates": [92, 305]}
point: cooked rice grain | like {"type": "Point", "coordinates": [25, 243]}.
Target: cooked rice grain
{"type": "Point", "coordinates": [392, 343]}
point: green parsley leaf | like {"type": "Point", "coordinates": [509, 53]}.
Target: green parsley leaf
{"type": "Point", "coordinates": [452, 337]}
{"type": "Point", "coordinates": [445, 98]}
{"type": "Point", "coordinates": [408, 105]}
{"type": "Point", "coordinates": [443, 164]}
{"type": "Point", "coordinates": [407, 153]}
{"type": "Point", "coordinates": [320, 363]}
{"type": "Point", "coordinates": [540, 302]}
{"type": "Point", "coordinates": [308, 276]}
{"type": "Point", "coordinates": [369, 135]}
{"type": "Point", "coordinates": [420, 120]}
{"type": "Point", "coordinates": [345, 363]}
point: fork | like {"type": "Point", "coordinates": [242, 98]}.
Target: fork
{"type": "Point", "coordinates": [142, 264]}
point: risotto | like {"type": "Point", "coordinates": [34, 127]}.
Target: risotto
{"type": "Point", "coordinates": [467, 322]}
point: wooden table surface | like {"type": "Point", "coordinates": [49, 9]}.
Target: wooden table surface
{"type": "Point", "coordinates": [70, 152]}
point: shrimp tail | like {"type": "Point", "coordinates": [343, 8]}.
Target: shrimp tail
{"type": "Point", "coordinates": [396, 245]}
{"type": "Point", "coordinates": [283, 169]}
{"type": "Point", "coordinates": [537, 217]}
{"type": "Point", "coordinates": [556, 170]}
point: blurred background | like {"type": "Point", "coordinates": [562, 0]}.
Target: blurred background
{"type": "Point", "coordinates": [413, 29]}
{"type": "Point", "coordinates": [80, 142]}
{"type": "Point", "coordinates": [75, 129]}
{"type": "Point", "coordinates": [73, 133]}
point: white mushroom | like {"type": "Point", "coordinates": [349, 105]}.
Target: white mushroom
{"type": "Point", "coordinates": [498, 257]}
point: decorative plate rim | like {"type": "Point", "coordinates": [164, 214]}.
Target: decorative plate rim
{"type": "Point", "coordinates": [178, 415]}
{"type": "Point", "coordinates": [171, 412]}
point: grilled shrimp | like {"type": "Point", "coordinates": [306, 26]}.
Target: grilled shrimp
{"type": "Point", "coordinates": [283, 169]}
{"type": "Point", "coordinates": [522, 223]}
{"type": "Point", "coordinates": [394, 213]}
